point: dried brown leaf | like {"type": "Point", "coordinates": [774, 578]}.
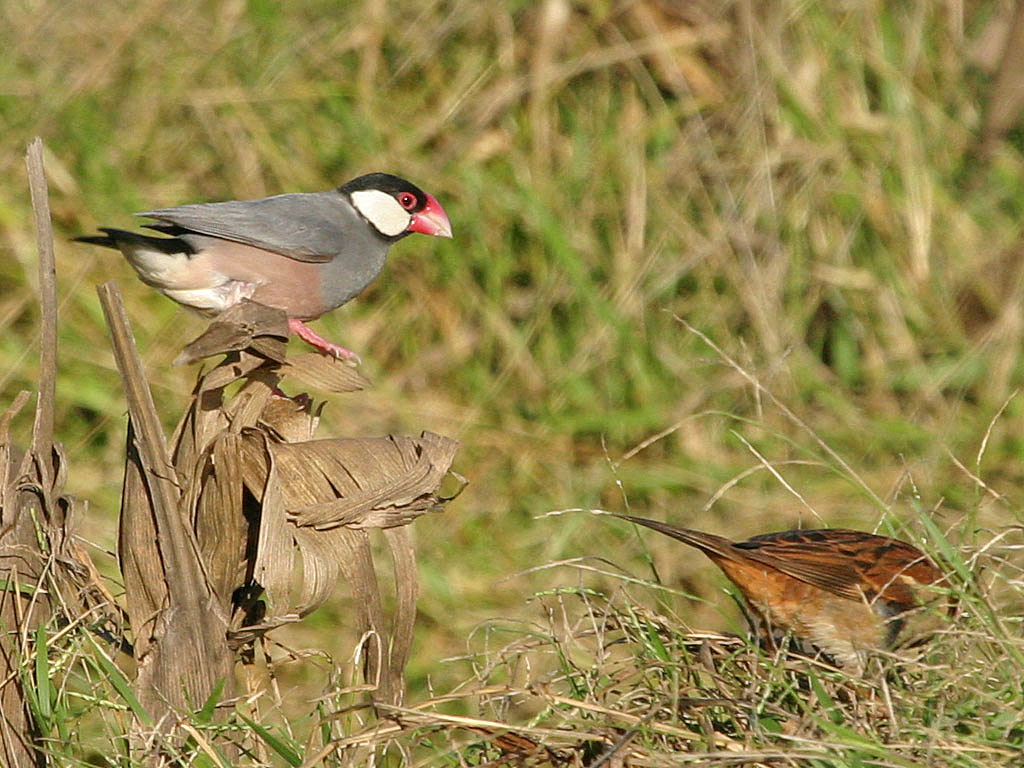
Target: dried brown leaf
{"type": "Point", "coordinates": [7, 460]}
{"type": "Point", "coordinates": [359, 482]}
{"type": "Point", "coordinates": [203, 420]}
{"type": "Point", "coordinates": [291, 419]}
{"type": "Point", "coordinates": [320, 567]}
{"type": "Point", "coordinates": [275, 553]}
{"type": "Point", "coordinates": [356, 563]}
{"type": "Point", "coordinates": [403, 554]}
{"type": "Point", "coordinates": [245, 326]}
{"type": "Point", "coordinates": [216, 502]}
{"type": "Point", "coordinates": [318, 497]}
{"type": "Point", "coordinates": [273, 509]}
{"type": "Point", "coordinates": [184, 651]}
{"type": "Point", "coordinates": [322, 372]}
{"type": "Point", "coordinates": [138, 554]}
{"type": "Point", "coordinates": [246, 408]}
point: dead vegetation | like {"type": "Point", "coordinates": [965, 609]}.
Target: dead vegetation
{"type": "Point", "coordinates": [44, 571]}
{"type": "Point", "coordinates": [241, 523]}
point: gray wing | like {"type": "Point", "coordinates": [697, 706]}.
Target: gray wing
{"type": "Point", "coordinates": [312, 227]}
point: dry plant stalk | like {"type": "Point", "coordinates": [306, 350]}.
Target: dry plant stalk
{"type": "Point", "coordinates": [244, 522]}
{"type": "Point", "coordinates": [42, 569]}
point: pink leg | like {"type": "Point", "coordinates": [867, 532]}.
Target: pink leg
{"type": "Point", "coordinates": [317, 341]}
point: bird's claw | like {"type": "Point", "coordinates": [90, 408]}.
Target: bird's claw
{"type": "Point", "coordinates": [321, 344]}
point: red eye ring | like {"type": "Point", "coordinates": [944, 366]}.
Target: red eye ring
{"type": "Point", "coordinates": [407, 200]}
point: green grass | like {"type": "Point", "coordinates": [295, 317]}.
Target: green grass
{"type": "Point", "coordinates": [794, 182]}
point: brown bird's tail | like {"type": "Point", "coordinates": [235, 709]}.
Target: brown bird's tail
{"type": "Point", "coordinates": [707, 543]}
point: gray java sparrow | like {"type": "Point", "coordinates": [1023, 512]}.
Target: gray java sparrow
{"type": "Point", "coordinates": [303, 253]}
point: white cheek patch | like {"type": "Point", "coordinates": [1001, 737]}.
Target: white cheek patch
{"type": "Point", "coordinates": [382, 211]}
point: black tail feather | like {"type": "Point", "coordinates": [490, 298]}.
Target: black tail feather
{"type": "Point", "coordinates": [105, 240]}
{"type": "Point", "coordinates": [114, 238]}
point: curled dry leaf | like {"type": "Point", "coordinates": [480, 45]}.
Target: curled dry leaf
{"type": "Point", "coordinates": [327, 373]}
{"type": "Point", "coordinates": [316, 501]}
{"type": "Point", "coordinates": [257, 334]}
{"type": "Point", "coordinates": [246, 326]}
{"type": "Point", "coordinates": [354, 483]}
{"type": "Point", "coordinates": [370, 482]}
{"type": "Point", "coordinates": [277, 516]}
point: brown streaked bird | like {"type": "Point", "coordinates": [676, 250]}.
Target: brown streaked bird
{"type": "Point", "coordinates": [847, 592]}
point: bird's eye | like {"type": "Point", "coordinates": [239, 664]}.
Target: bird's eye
{"type": "Point", "coordinates": [407, 201]}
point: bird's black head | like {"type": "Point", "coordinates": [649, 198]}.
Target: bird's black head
{"type": "Point", "coordinates": [395, 207]}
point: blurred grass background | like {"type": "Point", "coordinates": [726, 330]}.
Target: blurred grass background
{"type": "Point", "coordinates": [794, 180]}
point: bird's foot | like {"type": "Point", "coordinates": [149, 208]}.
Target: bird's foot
{"type": "Point", "coordinates": [317, 341]}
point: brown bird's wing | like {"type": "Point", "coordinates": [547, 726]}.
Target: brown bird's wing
{"type": "Point", "coordinates": [790, 552]}
{"type": "Point", "coordinates": [850, 564]}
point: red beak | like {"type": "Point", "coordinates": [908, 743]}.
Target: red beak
{"type": "Point", "coordinates": [432, 220]}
